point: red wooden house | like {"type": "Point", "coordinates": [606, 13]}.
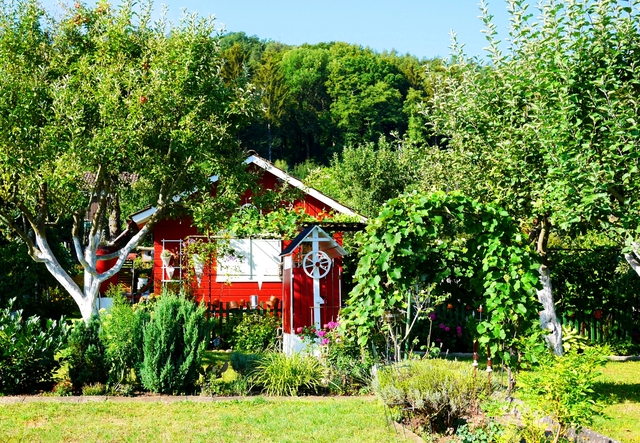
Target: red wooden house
{"type": "Point", "coordinates": [303, 274]}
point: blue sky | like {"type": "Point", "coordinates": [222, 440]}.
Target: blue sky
{"type": "Point", "coordinates": [418, 27]}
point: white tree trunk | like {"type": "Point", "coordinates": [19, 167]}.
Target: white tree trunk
{"type": "Point", "coordinates": [548, 317]}
{"type": "Point", "coordinates": [632, 259]}
{"type": "Point", "coordinates": [85, 297]}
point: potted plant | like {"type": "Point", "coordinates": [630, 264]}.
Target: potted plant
{"type": "Point", "coordinates": [166, 257]}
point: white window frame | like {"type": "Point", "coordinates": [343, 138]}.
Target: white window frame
{"type": "Point", "coordinates": [253, 260]}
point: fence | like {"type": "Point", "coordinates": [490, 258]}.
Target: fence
{"type": "Point", "coordinates": [230, 314]}
{"type": "Point", "coordinates": [600, 326]}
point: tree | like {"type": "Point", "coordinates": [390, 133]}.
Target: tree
{"type": "Point", "coordinates": [308, 120]}
{"type": "Point", "coordinates": [367, 92]}
{"type": "Point", "coordinates": [271, 82]}
{"type": "Point", "coordinates": [365, 176]}
{"type": "Point", "coordinates": [550, 130]}
{"type": "Point", "coordinates": [103, 104]}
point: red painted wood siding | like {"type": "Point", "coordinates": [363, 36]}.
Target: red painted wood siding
{"type": "Point", "coordinates": [210, 290]}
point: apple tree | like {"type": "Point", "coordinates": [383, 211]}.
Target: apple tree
{"type": "Point", "coordinates": [100, 106]}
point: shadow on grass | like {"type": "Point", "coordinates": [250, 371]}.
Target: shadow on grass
{"type": "Point", "coordinates": [613, 392]}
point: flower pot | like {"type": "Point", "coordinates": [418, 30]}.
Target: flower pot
{"type": "Point", "coordinates": [166, 257]}
{"type": "Point", "coordinates": [233, 305]}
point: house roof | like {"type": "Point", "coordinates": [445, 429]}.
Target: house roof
{"type": "Point", "coordinates": [144, 215]}
{"type": "Point", "coordinates": [315, 233]}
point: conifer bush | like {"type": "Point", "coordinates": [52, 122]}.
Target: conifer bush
{"type": "Point", "coordinates": [85, 354]}
{"type": "Point", "coordinates": [174, 342]}
{"type": "Point", "coordinates": [123, 336]}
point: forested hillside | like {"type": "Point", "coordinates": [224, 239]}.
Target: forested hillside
{"type": "Point", "coordinates": [318, 99]}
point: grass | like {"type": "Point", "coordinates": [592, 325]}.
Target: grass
{"type": "Point", "coordinates": [213, 357]}
{"type": "Point", "coordinates": [255, 419]}
{"type": "Point", "coordinates": [620, 386]}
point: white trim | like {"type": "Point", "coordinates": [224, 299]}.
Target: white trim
{"type": "Point", "coordinates": [144, 216]}
{"type": "Point", "coordinates": [298, 184]}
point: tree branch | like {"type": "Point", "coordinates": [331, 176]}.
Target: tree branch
{"type": "Point", "coordinates": [32, 249]}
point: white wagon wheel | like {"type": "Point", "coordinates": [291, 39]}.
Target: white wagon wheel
{"type": "Point", "coordinates": [316, 260]}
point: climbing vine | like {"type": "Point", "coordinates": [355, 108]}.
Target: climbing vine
{"type": "Point", "coordinates": [449, 243]}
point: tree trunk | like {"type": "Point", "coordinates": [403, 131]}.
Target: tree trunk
{"type": "Point", "coordinates": [548, 317]}
{"type": "Point", "coordinates": [632, 259]}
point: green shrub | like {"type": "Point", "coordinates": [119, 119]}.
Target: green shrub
{"type": "Point", "coordinates": [279, 374]}
{"type": "Point", "coordinates": [624, 347]}
{"type": "Point", "coordinates": [85, 354]}
{"type": "Point", "coordinates": [174, 342]}
{"type": "Point", "coordinates": [243, 362]}
{"type": "Point", "coordinates": [256, 333]}
{"type": "Point", "coordinates": [483, 433]}
{"type": "Point", "coordinates": [437, 392]}
{"type": "Point", "coordinates": [63, 388]}
{"type": "Point", "coordinates": [572, 340]}
{"type": "Point", "coordinates": [94, 389]}
{"type": "Point", "coordinates": [349, 364]}
{"type": "Point", "coordinates": [562, 388]}
{"type": "Point", "coordinates": [122, 333]}
{"type": "Point", "coordinates": [27, 351]}
{"type": "Point", "coordinates": [227, 383]}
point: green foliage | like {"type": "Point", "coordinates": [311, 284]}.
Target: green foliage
{"type": "Point", "coordinates": [174, 341]}
{"type": "Point", "coordinates": [365, 176]}
{"type": "Point", "coordinates": [479, 434]}
{"type": "Point", "coordinates": [85, 354]}
{"type": "Point", "coordinates": [433, 245]}
{"type": "Point", "coordinates": [279, 374]}
{"type": "Point", "coordinates": [35, 289]}
{"type": "Point", "coordinates": [572, 340]}
{"type": "Point", "coordinates": [349, 365]}
{"type": "Point", "coordinates": [122, 334]}
{"type": "Point", "coordinates": [562, 388]}
{"type": "Point", "coordinates": [64, 388]}
{"type": "Point", "coordinates": [256, 333]}
{"type": "Point", "coordinates": [94, 389]}
{"type": "Point", "coordinates": [436, 391]}
{"type": "Point", "coordinates": [227, 383]}
{"type": "Point", "coordinates": [243, 362]}
{"type": "Point", "coordinates": [28, 347]}
{"type": "Point", "coordinates": [100, 95]}
{"type": "Point", "coordinates": [550, 129]}
{"type": "Point", "coordinates": [624, 347]}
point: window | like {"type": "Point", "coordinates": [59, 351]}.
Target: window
{"type": "Point", "coordinates": [252, 261]}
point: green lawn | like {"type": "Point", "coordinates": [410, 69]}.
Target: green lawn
{"type": "Point", "coordinates": [257, 419]}
{"type": "Point", "coordinates": [620, 385]}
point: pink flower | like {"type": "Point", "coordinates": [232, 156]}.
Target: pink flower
{"type": "Point", "coordinates": [438, 340]}
{"type": "Point", "coordinates": [324, 342]}
{"type": "Point", "coordinates": [298, 330]}
{"type": "Point", "coordinates": [442, 326]}
{"type": "Point", "coordinates": [332, 325]}
{"type": "Point", "coordinates": [432, 316]}
{"type": "Point", "coordinates": [447, 329]}
{"type": "Point", "coordinates": [322, 333]}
